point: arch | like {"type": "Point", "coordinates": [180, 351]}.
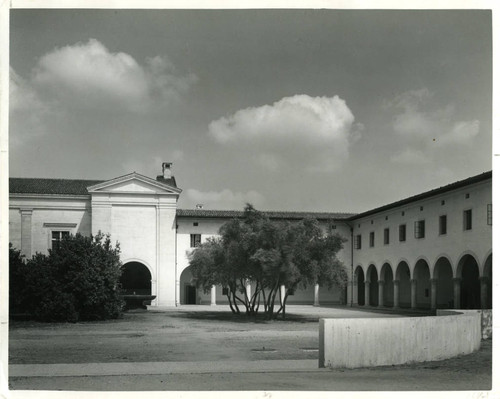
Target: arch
{"type": "Point", "coordinates": [443, 274]}
{"type": "Point", "coordinates": [420, 260]}
{"type": "Point", "coordinates": [188, 290]}
{"type": "Point", "coordinates": [438, 258]}
{"type": "Point", "coordinates": [422, 275]}
{"type": "Point", "coordinates": [360, 284]}
{"type": "Point", "coordinates": [387, 276]}
{"type": "Point", "coordinates": [470, 291]}
{"type": "Point", "coordinates": [458, 271]}
{"type": "Point", "coordinates": [129, 260]}
{"type": "Point", "coordinates": [488, 276]}
{"type": "Point", "coordinates": [403, 276]}
{"type": "Point", "coordinates": [372, 277]}
{"type": "Point", "coordinates": [135, 278]}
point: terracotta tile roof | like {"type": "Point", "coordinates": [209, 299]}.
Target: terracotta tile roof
{"type": "Point", "coordinates": [50, 186]}
{"type": "Point", "coordinates": [206, 213]}
{"type": "Point", "coordinates": [21, 185]}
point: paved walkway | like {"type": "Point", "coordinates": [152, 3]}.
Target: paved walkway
{"type": "Point", "coordinates": [153, 368]}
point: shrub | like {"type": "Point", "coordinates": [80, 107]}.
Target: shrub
{"type": "Point", "coordinates": [78, 280]}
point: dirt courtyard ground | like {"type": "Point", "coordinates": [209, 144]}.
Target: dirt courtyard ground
{"type": "Point", "coordinates": [225, 353]}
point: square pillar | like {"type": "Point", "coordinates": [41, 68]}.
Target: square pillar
{"type": "Point", "coordinates": [381, 293]}
{"type": "Point", "coordinates": [213, 296]}
{"type": "Point", "coordinates": [433, 293]}
{"type": "Point", "coordinates": [316, 294]}
{"type": "Point", "coordinates": [456, 292]}
{"type": "Point", "coordinates": [367, 293]}
{"type": "Point", "coordinates": [413, 282]}
{"type": "Point", "coordinates": [396, 293]}
{"type": "Point", "coordinates": [483, 280]}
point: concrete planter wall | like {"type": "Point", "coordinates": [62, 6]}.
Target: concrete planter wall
{"type": "Point", "coordinates": [486, 319]}
{"type": "Point", "coordinates": [351, 343]}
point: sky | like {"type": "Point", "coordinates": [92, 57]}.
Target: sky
{"type": "Point", "coordinates": [293, 110]}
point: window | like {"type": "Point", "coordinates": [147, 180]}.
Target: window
{"type": "Point", "coordinates": [467, 196]}
{"type": "Point", "coordinates": [225, 291]}
{"type": "Point", "coordinates": [420, 229]}
{"type": "Point", "coordinates": [357, 242]}
{"type": "Point", "coordinates": [489, 214]}
{"type": "Point", "coordinates": [195, 224]}
{"type": "Point", "coordinates": [402, 232]}
{"type": "Point", "coordinates": [468, 219]}
{"type": "Point", "coordinates": [443, 202]}
{"type": "Point", "coordinates": [57, 236]}
{"type": "Point", "coordinates": [386, 236]}
{"type": "Point", "coordinates": [442, 225]}
{"type": "Point", "coordinates": [195, 240]}
{"type": "Point", "coordinates": [372, 238]}
{"type": "Point", "coordinates": [421, 208]}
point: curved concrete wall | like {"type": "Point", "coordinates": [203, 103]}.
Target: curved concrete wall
{"type": "Point", "coordinates": [351, 343]}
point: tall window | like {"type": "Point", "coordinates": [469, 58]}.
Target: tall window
{"type": "Point", "coordinates": [357, 241]}
{"type": "Point", "coordinates": [442, 225]}
{"type": "Point", "coordinates": [468, 219]}
{"type": "Point", "coordinates": [195, 240]}
{"type": "Point", "coordinates": [402, 232]}
{"type": "Point", "coordinates": [386, 236]}
{"type": "Point", "coordinates": [489, 214]}
{"type": "Point", "coordinates": [57, 236]}
{"type": "Point", "coordinates": [420, 229]}
{"type": "Point", "coordinates": [372, 238]}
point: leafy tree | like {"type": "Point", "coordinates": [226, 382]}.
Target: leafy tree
{"type": "Point", "coordinates": [78, 280]}
{"type": "Point", "coordinates": [269, 254]}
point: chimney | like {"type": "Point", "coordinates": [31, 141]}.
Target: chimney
{"type": "Point", "coordinates": [167, 172]}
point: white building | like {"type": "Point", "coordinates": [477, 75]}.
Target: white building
{"type": "Point", "coordinates": [430, 250]}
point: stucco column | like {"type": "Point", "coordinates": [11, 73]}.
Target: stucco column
{"type": "Point", "coordinates": [213, 294]}
{"type": "Point", "coordinates": [316, 294]}
{"type": "Point", "coordinates": [381, 293]}
{"type": "Point", "coordinates": [154, 291]}
{"type": "Point", "coordinates": [433, 293]}
{"type": "Point", "coordinates": [484, 291]}
{"type": "Point", "coordinates": [26, 232]}
{"type": "Point", "coordinates": [456, 292]}
{"type": "Point", "coordinates": [354, 292]}
{"type": "Point", "coordinates": [413, 282]}
{"type": "Point", "coordinates": [396, 293]}
{"type": "Point", "coordinates": [367, 293]}
{"type": "Point", "coordinates": [177, 292]}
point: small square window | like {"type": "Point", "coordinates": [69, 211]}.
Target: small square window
{"type": "Point", "coordinates": [421, 208]}
{"type": "Point", "coordinates": [442, 202]}
{"type": "Point", "coordinates": [195, 224]}
{"type": "Point", "coordinates": [334, 227]}
{"type": "Point", "coordinates": [403, 213]}
{"type": "Point", "coordinates": [57, 237]}
{"type": "Point", "coordinates": [387, 217]}
{"type": "Point", "coordinates": [467, 195]}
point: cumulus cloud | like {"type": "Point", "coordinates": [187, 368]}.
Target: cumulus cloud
{"type": "Point", "coordinates": [313, 131]}
{"type": "Point", "coordinates": [89, 72]}
{"type": "Point", "coordinates": [424, 128]}
{"type": "Point", "coordinates": [27, 110]}
{"type": "Point", "coordinates": [225, 199]}
{"type": "Point", "coordinates": [421, 120]}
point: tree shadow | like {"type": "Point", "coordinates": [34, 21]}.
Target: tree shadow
{"type": "Point", "coordinates": [242, 318]}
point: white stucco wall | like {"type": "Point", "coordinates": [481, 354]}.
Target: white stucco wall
{"type": "Point", "coordinates": [453, 245]}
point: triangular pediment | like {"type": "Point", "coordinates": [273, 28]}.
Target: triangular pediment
{"type": "Point", "coordinates": [133, 183]}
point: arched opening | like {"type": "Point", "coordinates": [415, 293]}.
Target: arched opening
{"type": "Point", "coordinates": [470, 291]}
{"type": "Point", "coordinates": [188, 292]}
{"type": "Point", "coordinates": [488, 274]}
{"type": "Point", "coordinates": [387, 276]}
{"type": "Point", "coordinates": [135, 279]}
{"type": "Point", "coordinates": [443, 273]}
{"type": "Point", "coordinates": [423, 275]}
{"type": "Point", "coordinates": [372, 277]}
{"type": "Point", "coordinates": [360, 284]}
{"type": "Point", "coordinates": [403, 276]}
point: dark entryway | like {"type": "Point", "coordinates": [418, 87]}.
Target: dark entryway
{"type": "Point", "coordinates": [190, 295]}
{"type": "Point", "coordinates": [135, 279]}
